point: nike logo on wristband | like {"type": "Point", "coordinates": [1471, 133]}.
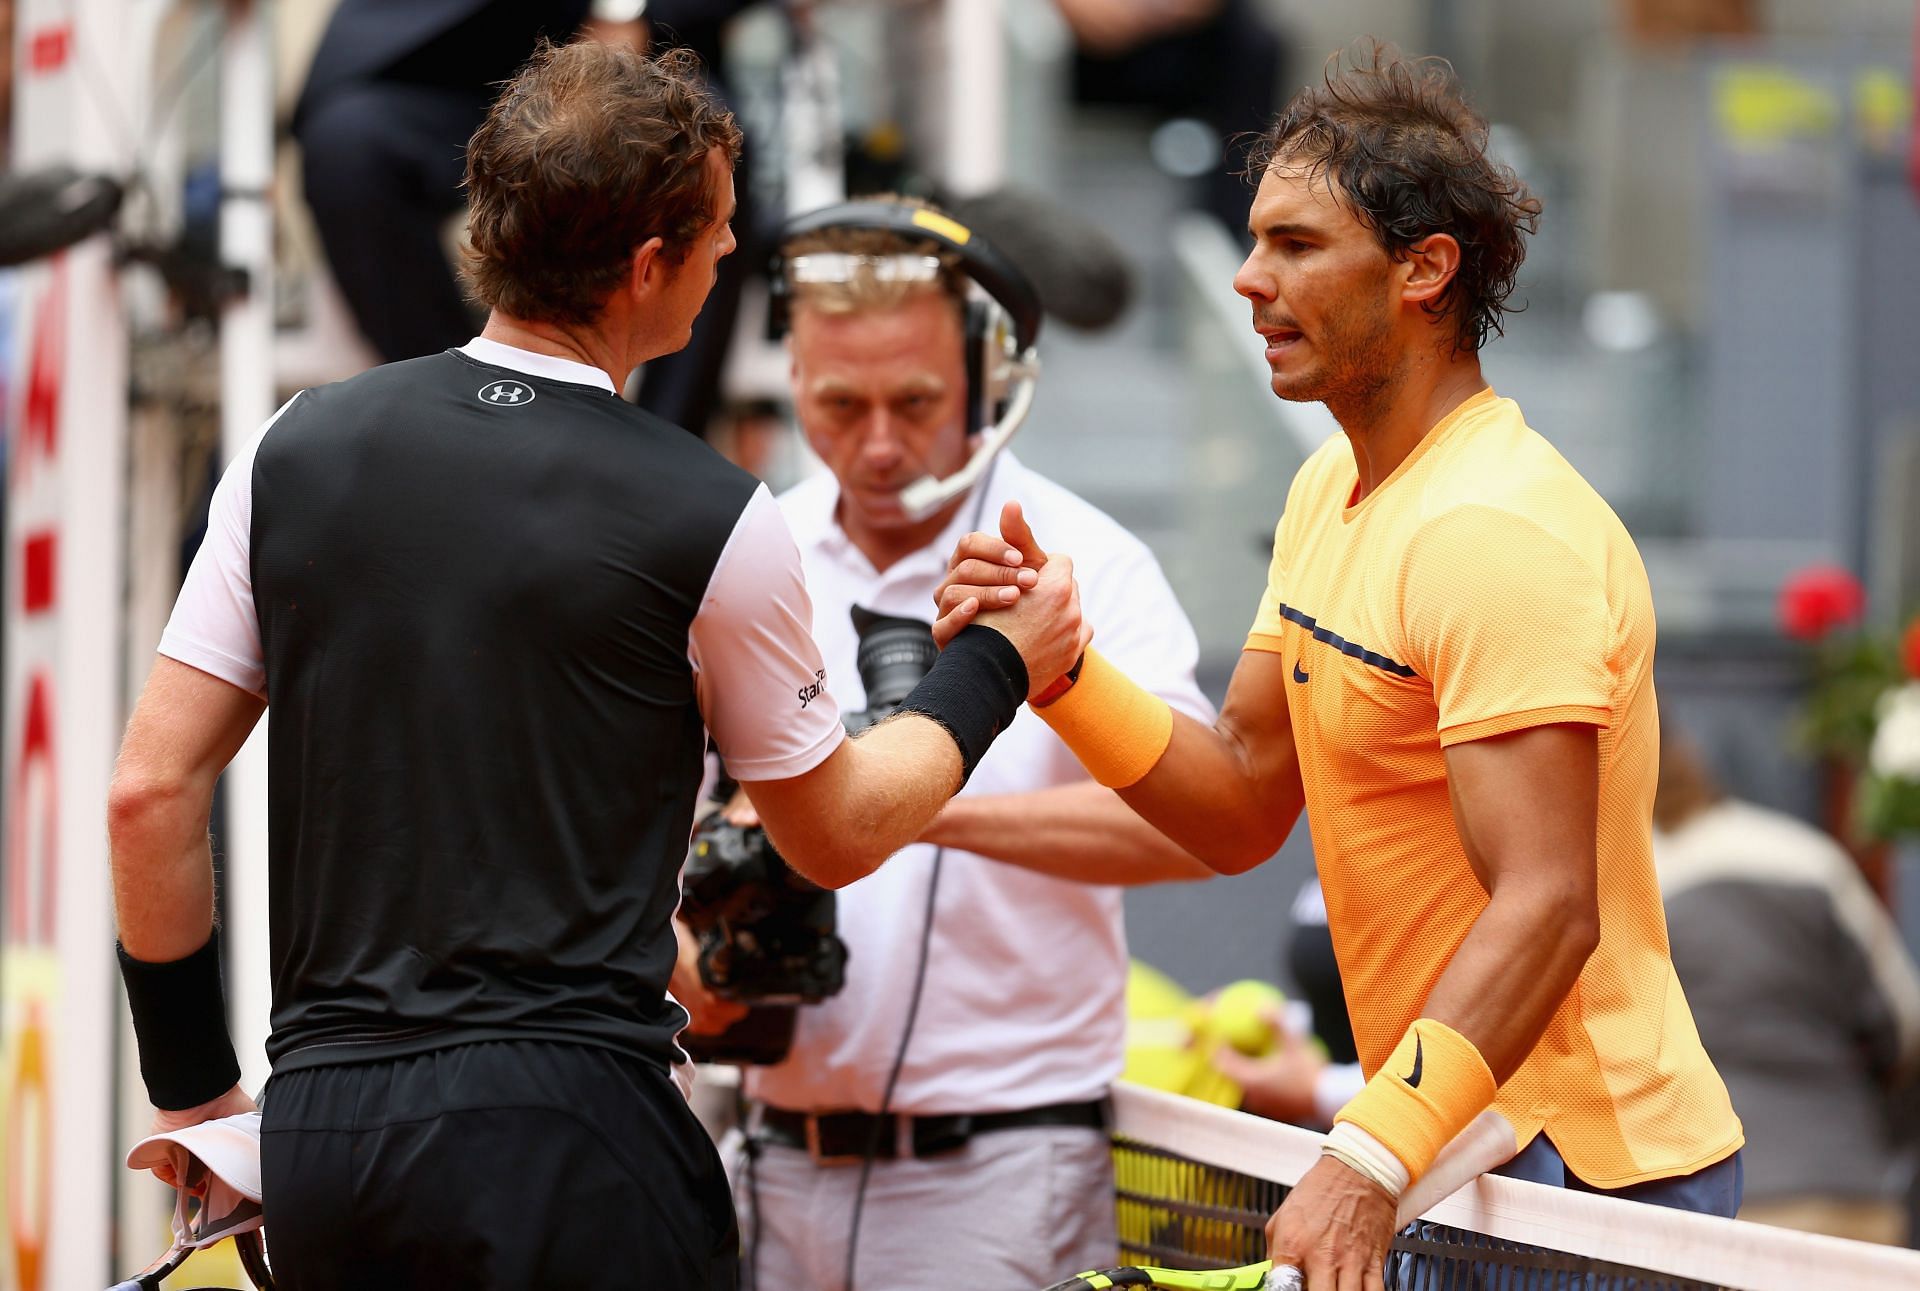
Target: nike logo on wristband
{"type": "Point", "coordinates": [1413, 1077]}
{"type": "Point", "coordinates": [1297, 674]}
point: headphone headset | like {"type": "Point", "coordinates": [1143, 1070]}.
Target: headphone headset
{"type": "Point", "coordinates": [1002, 322]}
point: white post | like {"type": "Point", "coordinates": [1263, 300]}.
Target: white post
{"type": "Point", "coordinates": [246, 401]}
{"type": "Point", "coordinates": [65, 409]}
{"type": "Point", "coordinates": [973, 113]}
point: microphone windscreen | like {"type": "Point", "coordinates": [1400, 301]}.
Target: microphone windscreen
{"type": "Point", "coordinates": [1081, 275]}
{"type": "Point", "coordinates": [50, 209]}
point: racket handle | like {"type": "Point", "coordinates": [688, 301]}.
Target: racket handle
{"type": "Point", "coordinates": [1284, 1277]}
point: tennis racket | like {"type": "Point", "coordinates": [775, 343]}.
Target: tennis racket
{"type": "Point", "coordinates": [1488, 1141]}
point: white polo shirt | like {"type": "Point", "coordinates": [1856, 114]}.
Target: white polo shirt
{"type": "Point", "coordinates": [1024, 1003]}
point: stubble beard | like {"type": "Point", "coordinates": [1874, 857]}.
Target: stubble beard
{"type": "Point", "coordinates": [1360, 369]}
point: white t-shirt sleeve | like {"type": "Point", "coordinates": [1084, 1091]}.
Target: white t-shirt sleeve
{"type": "Point", "coordinates": [214, 626]}
{"type": "Point", "coordinates": [761, 685]}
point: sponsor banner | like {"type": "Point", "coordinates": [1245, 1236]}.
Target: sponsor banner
{"type": "Point", "coordinates": [29, 1006]}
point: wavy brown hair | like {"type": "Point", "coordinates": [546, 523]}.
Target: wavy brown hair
{"type": "Point", "coordinates": [589, 151]}
{"type": "Point", "coordinates": [1398, 142]}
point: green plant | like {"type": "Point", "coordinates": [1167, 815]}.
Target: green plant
{"type": "Point", "coordinates": [1863, 709]}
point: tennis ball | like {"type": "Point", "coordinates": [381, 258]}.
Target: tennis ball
{"type": "Point", "coordinates": [1241, 1016]}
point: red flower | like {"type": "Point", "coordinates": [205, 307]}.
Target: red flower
{"type": "Point", "coordinates": [1819, 599]}
{"type": "Point", "coordinates": [1910, 647]}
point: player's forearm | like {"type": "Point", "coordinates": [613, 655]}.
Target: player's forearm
{"type": "Point", "coordinates": [162, 867]}
{"type": "Point", "coordinates": [1227, 794]}
{"type": "Point", "coordinates": [870, 798]}
{"type": "Point", "coordinates": [1478, 1024]}
{"type": "Point", "coordinates": [1526, 806]}
{"type": "Point", "coordinates": [1517, 964]}
{"type": "Point", "coordinates": [1206, 794]}
{"type": "Point", "coordinates": [1081, 832]}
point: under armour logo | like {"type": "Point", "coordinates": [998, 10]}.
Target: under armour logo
{"type": "Point", "coordinates": [507, 392]}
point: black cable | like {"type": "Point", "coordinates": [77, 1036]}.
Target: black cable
{"type": "Point", "coordinates": [881, 1123]}
{"type": "Point", "coordinates": [919, 985]}
{"type": "Point", "coordinates": [752, 1147]}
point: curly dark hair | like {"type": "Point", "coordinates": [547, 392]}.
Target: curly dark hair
{"type": "Point", "coordinates": [1397, 140]}
{"type": "Point", "coordinates": [589, 151]}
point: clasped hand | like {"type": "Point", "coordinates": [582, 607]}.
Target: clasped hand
{"type": "Point", "coordinates": [1009, 583]}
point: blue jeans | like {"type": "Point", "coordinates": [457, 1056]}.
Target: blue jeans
{"type": "Point", "coordinates": [1714, 1190]}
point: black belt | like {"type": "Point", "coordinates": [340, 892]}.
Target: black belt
{"type": "Point", "coordinates": [840, 1138]}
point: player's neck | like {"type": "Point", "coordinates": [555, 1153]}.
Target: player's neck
{"type": "Point", "coordinates": [1386, 426]}
{"type": "Point", "coordinates": [580, 344]}
{"type": "Point", "coordinates": [885, 546]}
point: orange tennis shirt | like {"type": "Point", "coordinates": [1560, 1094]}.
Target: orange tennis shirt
{"type": "Point", "coordinates": [1484, 587]}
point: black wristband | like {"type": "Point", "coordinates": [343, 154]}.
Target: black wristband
{"type": "Point", "coordinates": [180, 1021]}
{"type": "Point", "coordinates": [974, 691]}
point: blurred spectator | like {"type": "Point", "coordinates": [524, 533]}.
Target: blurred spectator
{"type": "Point", "coordinates": [1217, 60]}
{"type": "Point", "coordinates": [395, 90]}
{"type": "Point", "coordinates": [1803, 994]}
{"type": "Point", "coordinates": [1315, 1068]}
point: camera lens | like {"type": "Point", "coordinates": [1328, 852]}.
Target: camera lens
{"type": "Point", "coordinates": [894, 654]}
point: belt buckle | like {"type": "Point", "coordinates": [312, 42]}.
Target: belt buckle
{"type": "Point", "coordinates": [821, 1157]}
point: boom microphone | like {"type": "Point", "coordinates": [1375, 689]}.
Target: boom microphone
{"type": "Point", "coordinates": [48, 210]}
{"type": "Point", "coordinates": [1081, 275]}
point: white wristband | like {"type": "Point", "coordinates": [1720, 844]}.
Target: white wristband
{"type": "Point", "coordinates": [1352, 1146]}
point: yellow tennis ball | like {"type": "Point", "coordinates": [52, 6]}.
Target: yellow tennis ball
{"type": "Point", "coordinates": [1241, 1016]}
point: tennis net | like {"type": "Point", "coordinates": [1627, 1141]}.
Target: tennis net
{"type": "Point", "coordinates": [1195, 1185]}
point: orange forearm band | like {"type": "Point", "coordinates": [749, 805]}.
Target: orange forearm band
{"type": "Point", "coordinates": [1434, 1083]}
{"type": "Point", "coordinates": [1116, 729]}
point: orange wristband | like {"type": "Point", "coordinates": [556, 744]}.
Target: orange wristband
{"type": "Point", "coordinates": [1434, 1083]}
{"type": "Point", "coordinates": [1116, 729]}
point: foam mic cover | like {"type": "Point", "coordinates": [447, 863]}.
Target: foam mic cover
{"type": "Point", "coordinates": [1081, 275]}
{"type": "Point", "coordinates": [47, 210]}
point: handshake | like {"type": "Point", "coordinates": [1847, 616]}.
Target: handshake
{"type": "Point", "coordinates": [1008, 583]}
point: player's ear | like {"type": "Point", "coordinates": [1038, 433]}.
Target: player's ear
{"type": "Point", "coordinates": [646, 271]}
{"type": "Point", "coordinates": [1431, 264]}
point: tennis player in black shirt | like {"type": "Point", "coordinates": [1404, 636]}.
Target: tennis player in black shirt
{"type": "Point", "coordinates": [496, 613]}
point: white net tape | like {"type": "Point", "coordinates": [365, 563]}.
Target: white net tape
{"type": "Point", "coordinates": [1685, 1248]}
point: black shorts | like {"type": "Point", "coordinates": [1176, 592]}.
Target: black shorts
{"type": "Point", "coordinates": [512, 1164]}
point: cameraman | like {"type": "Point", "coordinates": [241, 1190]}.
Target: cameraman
{"type": "Point", "coordinates": [497, 612]}
{"type": "Point", "coordinates": [967, 1132]}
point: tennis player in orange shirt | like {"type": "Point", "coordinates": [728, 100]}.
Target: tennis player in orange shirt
{"type": "Point", "coordinates": [1451, 671]}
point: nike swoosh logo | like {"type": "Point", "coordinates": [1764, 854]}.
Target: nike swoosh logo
{"type": "Point", "coordinates": [1297, 674]}
{"type": "Point", "coordinates": [1413, 1077]}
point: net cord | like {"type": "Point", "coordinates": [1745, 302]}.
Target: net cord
{"type": "Point", "coordinates": [1705, 1248]}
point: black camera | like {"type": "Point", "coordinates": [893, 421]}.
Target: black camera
{"type": "Point", "coordinates": [768, 935]}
